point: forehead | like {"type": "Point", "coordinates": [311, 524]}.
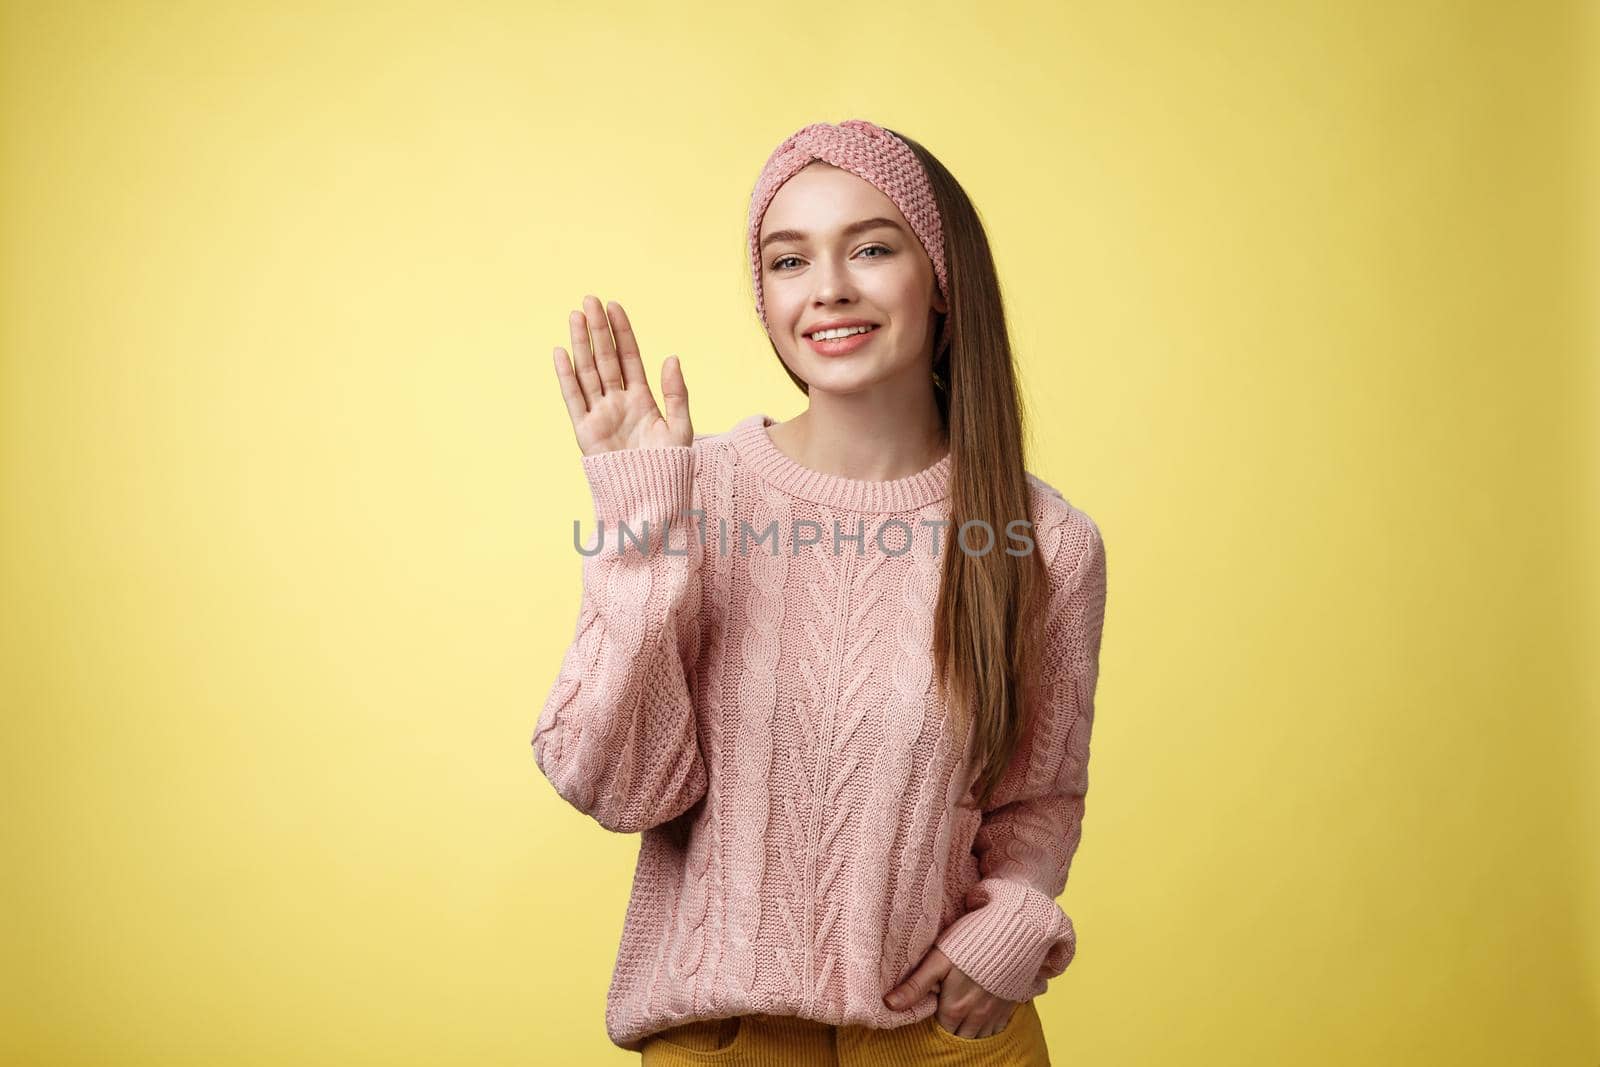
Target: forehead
{"type": "Point", "coordinates": [821, 198]}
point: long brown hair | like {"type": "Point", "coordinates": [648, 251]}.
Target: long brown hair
{"type": "Point", "coordinates": [988, 621]}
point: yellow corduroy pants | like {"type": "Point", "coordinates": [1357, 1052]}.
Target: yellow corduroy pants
{"type": "Point", "coordinates": [785, 1041]}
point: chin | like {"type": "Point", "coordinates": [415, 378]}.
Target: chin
{"type": "Point", "coordinates": [837, 378]}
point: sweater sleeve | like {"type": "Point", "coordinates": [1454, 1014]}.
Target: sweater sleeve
{"type": "Point", "coordinates": [617, 736]}
{"type": "Point", "coordinates": [1014, 937]}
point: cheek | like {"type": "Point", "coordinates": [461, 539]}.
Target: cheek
{"type": "Point", "coordinates": [782, 302]}
{"type": "Point", "coordinates": [903, 292]}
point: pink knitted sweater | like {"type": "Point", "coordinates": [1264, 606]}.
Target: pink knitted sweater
{"type": "Point", "coordinates": [768, 721]}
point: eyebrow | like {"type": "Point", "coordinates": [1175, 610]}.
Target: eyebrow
{"type": "Point", "coordinates": [849, 231]}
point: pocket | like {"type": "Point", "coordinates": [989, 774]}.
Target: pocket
{"type": "Point", "coordinates": [1002, 1034]}
{"type": "Point", "coordinates": [703, 1037]}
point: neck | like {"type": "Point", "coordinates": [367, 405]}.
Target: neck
{"type": "Point", "coordinates": [868, 436]}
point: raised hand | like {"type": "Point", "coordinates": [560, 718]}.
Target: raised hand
{"type": "Point", "coordinates": [607, 395]}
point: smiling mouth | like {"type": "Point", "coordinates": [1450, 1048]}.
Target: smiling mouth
{"type": "Point", "coordinates": [858, 333]}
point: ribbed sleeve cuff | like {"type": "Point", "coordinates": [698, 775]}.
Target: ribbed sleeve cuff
{"type": "Point", "coordinates": [1011, 941]}
{"type": "Point", "coordinates": [633, 485]}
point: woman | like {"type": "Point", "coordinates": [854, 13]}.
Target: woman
{"type": "Point", "coordinates": [841, 673]}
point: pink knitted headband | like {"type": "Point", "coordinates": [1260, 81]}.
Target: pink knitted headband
{"type": "Point", "coordinates": [871, 153]}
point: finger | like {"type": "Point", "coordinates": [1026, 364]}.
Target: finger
{"type": "Point", "coordinates": [906, 993]}
{"type": "Point", "coordinates": [605, 350]}
{"type": "Point", "coordinates": [997, 1023]}
{"type": "Point", "coordinates": [627, 348]}
{"type": "Point", "coordinates": [675, 397]}
{"type": "Point", "coordinates": [583, 357]}
{"type": "Point", "coordinates": [917, 983]}
{"type": "Point", "coordinates": [571, 391]}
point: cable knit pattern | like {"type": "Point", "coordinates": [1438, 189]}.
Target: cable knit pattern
{"type": "Point", "coordinates": [767, 719]}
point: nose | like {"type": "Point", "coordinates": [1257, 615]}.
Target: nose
{"type": "Point", "coordinates": [832, 283]}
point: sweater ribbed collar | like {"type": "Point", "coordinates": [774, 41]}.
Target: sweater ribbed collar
{"type": "Point", "coordinates": [756, 447]}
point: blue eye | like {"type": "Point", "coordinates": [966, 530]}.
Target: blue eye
{"type": "Point", "coordinates": [777, 264]}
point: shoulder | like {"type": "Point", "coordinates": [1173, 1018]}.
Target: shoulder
{"type": "Point", "coordinates": [706, 443]}
{"type": "Point", "coordinates": [1067, 535]}
{"type": "Point", "coordinates": [721, 443]}
{"type": "Point", "coordinates": [714, 450]}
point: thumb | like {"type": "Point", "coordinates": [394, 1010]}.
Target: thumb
{"type": "Point", "coordinates": [920, 981]}
{"type": "Point", "coordinates": [675, 396]}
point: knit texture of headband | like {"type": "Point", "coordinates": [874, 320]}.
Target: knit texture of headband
{"type": "Point", "coordinates": [870, 152]}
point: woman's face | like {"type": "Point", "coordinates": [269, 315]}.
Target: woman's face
{"type": "Point", "coordinates": [817, 268]}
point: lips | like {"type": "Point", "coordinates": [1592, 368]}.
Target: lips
{"type": "Point", "coordinates": [842, 346]}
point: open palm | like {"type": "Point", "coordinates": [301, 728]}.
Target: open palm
{"type": "Point", "coordinates": [606, 392]}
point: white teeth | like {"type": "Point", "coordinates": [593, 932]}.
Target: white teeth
{"type": "Point", "coordinates": [844, 331]}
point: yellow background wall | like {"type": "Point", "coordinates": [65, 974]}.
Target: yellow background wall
{"type": "Point", "coordinates": [1300, 295]}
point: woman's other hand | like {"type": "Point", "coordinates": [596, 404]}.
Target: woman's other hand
{"type": "Point", "coordinates": [966, 1009]}
{"type": "Point", "coordinates": [607, 395]}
